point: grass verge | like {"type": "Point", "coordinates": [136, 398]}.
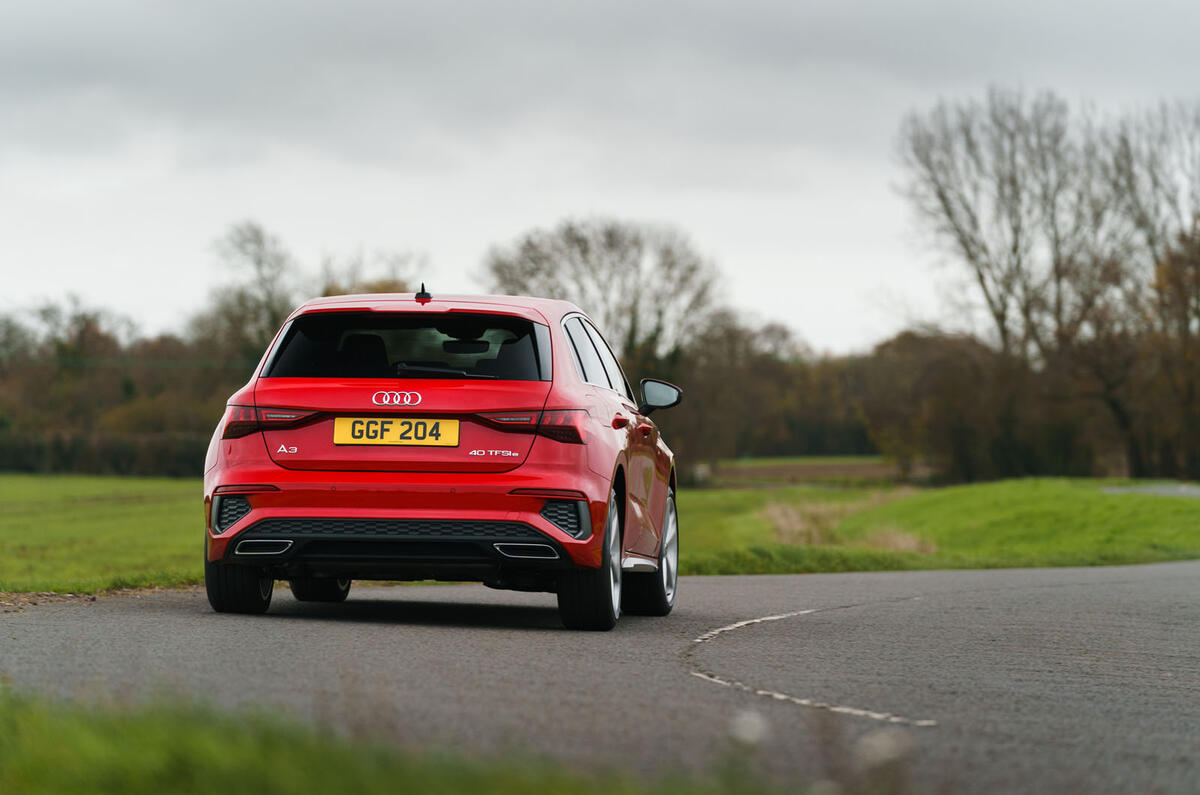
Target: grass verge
{"type": "Point", "coordinates": [50, 748]}
{"type": "Point", "coordinates": [777, 531]}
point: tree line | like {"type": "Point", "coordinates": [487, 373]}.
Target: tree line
{"type": "Point", "coordinates": [1077, 236]}
{"type": "Point", "coordinates": [81, 391]}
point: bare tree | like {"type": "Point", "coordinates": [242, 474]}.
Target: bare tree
{"type": "Point", "coordinates": [244, 316]}
{"type": "Point", "coordinates": [1078, 275]}
{"type": "Point", "coordinates": [384, 272]}
{"type": "Point", "coordinates": [1021, 193]}
{"type": "Point", "coordinates": [966, 166]}
{"type": "Point", "coordinates": [645, 285]}
{"type": "Point", "coordinates": [1154, 170]}
{"type": "Point", "coordinates": [1016, 191]}
{"type": "Point", "coordinates": [250, 249]}
{"type": "Point", "coordinates": [1154, 174]}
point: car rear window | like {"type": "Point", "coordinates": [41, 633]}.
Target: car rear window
{"type": "Point", "coordinates": [412, 345]}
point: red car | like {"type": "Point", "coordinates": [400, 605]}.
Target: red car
{"type": "Point", "coordinates": [410, 437]}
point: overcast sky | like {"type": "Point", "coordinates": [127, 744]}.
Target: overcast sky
{"type": "Point", "coordinates": [133, 133]}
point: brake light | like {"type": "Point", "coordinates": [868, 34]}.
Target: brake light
{"type": "Point", "coordinates": [564, 425]}
{"type": "Point", "coordinates": [244, 420]}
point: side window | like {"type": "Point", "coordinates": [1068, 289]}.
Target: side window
{"type": "Point", "coordinates": [575, 356]}
{"type": "Point", "coordinates": [615, 376]}
{"type": "Point", "coordinates": [593, 368]}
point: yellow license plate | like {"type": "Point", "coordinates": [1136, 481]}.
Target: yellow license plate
{"type": "Point", "coordinates": [395, 430]}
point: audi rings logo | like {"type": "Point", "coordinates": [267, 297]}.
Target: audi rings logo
{"type": "Point", "coordinates": [396, 398]}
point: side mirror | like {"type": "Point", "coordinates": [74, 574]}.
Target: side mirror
{"type": "Point", "coordinates": [658, 394]}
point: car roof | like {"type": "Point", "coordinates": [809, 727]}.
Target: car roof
{"type": "Point", "coordinates": [543, 309]}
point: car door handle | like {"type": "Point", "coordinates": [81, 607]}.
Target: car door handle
{"type": "Point", "coordinates": [646, 428]}
{"type": "Point", "coordinates": [620, 421]}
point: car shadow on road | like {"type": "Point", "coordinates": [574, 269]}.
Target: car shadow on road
{"type": "Point", "coordinates": [423, 613]}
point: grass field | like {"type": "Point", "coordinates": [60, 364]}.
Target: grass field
{"type": "Point", "coordinates": [78, 533]}
{"type": "Point", "coordinates": [76, 750]}
{"type": "Point", "coordinates": [1041, 522]}
{"type": "Point", "coordinates": [1034, 522]}
{"type": "Point", "coordinates": [73, 534]}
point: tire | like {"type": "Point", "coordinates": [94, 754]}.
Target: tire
{"type": "Point", "coordinates": [653, 593]}
{"type": "Point", "coordinates": [591, 598]}
{"type": "Point", "coordinates": [237, 589]}
{"type": "Point", "coordinates": [320, 589]}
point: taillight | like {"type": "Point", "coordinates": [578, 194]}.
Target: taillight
{"type": "Point", "coordinates": [244, 420]}
{"type": "Point", "coordinates": [239, 421]}
{"type": "Point", "coordinates": [563, 425]}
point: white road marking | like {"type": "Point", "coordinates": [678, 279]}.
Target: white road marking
{"type": "Point", "coordinates": [707, 636]}
{"type": "Point", "coordinates": [857, 712]}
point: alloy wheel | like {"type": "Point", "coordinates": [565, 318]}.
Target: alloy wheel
{"type": "Point", "coordinates": [669, 566]}
{"type": "Point", "coordinates": [613, 533]}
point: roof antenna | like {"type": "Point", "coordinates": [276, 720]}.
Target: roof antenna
{"type": "Point", "coordinates": [423, 295]}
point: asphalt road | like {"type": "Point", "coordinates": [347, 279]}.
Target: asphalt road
{"type": "Point", "coordinates": [1052, 680]}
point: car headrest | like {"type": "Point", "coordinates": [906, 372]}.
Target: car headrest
{"type": "Point", "coordinates": [516, 361]}
{"type": "Point", "coordinates": [366, 354]}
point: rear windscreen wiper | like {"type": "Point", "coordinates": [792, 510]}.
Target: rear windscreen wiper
{"type": "Point", "coordinates": [403, 368]}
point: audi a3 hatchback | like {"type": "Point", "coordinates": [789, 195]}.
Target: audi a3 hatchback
{"type": "Point", "coordinates": [411, 437]}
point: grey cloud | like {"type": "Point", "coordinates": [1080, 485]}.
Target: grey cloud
{"type": "Point", "coordinates": [382, 80]}
{"type": "Point", "coordinates": [763, 127]}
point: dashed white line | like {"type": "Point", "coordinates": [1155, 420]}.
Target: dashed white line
{"type": "Point", "coordinates": [886, 717]}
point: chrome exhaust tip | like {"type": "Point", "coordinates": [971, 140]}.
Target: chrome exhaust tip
{"type": "Point", "coordinates": [262, 546]}
{"type": "Point", "coordinates": [527, 551]}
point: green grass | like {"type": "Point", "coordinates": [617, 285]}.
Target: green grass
{"type": "Point", "coordinates": [730, 531]}
{"type": "Point", "coordinates": [65, 533]}
{"type": "Point", "coordinates": [78, 533]}
{"type": "Point", "coordinates": [1015, 523]}
{"type": "Point", "coordinates": [52, 748]}
{"type": "Point", "coordinates": [1037, 522]}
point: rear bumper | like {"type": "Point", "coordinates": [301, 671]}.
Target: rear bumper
{"type": "Point", "coordinates": [504, 553]}
{"type": "Point", "coordinates": [401, 525]}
